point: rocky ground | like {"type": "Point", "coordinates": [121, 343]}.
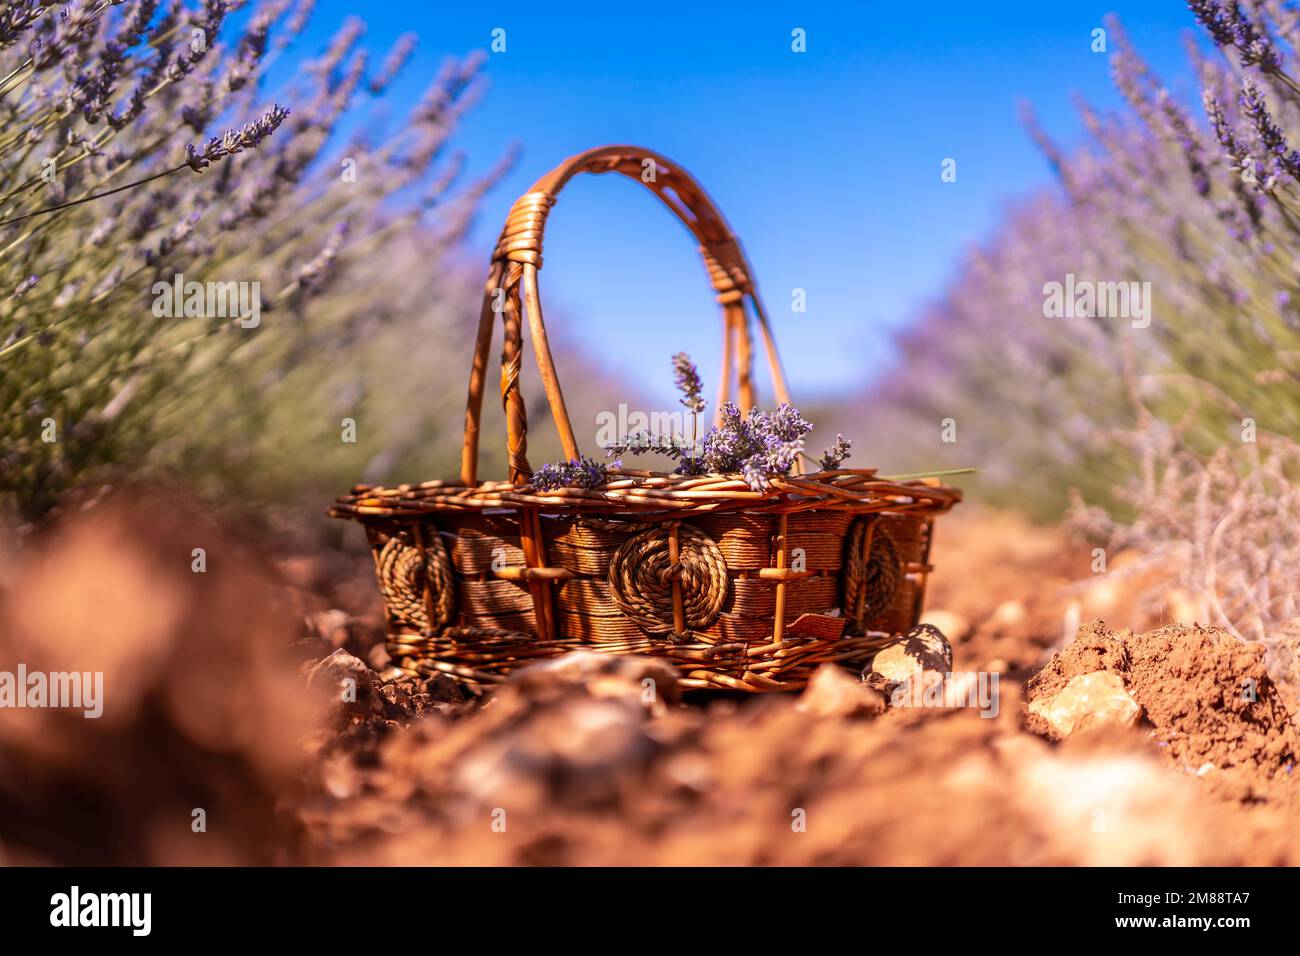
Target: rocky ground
{"type": "Point", "coordinates": [1138, 741]}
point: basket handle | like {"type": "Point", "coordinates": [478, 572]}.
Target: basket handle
{"type": "Point", "coordinates": [512, 287]}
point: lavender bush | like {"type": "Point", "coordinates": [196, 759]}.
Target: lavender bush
{"type": "Point", "coordinates": [1224, 530]}
{"type": "Point", "coordinates": [1177, 428]}
{"type": "Point", "coordinates": [139, 141]}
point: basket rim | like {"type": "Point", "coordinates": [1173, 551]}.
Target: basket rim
{"type": "Point", "coordinates": [653, 494]}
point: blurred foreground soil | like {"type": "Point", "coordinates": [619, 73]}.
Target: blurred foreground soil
{"type": "Point", "coordinates": [1138, 741]}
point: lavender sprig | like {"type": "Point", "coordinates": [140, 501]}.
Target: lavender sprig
{"type": "Point", "coordinates": [1255, 109]}
{"type": "Point", "coordinates": [834, 456]}
{"type": "Point", "coordinates": [687, 378]}
{"type": "Point", "coordinates": [758, 445]}
{"type": "Point", "coordinates": [1211, 16]}
{"type": "Point", "coordinates": [581, 472]}
{"type": "Point", "coordinates": [1255, 47]}
{"type": "Point", "coordinates": [252, 48]}
{"type": "Point", "coordinates": [315, 272]}
{"type": "Point", "coordinates": [1230, 26]}
{"type": "Point", "coordinates": [1188, 140]}
{"type": "Point", "coordinates": [249, 137]}
{"type": "Point", "coordinates": [17, 17]}
{"type": "Point", "coordinates": [1224, 132]}
{"type": "Point", "coordinates": [236, 141]}
{"type": "Point", "coordinates": [644, 442]}
{"type": "Point", "coordinates": [393, 64]}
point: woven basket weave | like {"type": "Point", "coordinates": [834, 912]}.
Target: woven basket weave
{"type": "Point", "coordinates": [741, 589]}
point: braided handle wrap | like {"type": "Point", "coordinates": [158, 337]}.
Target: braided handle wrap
{"type": "Point", "coordinates": [511, 291]}
{"type": "Point", "coordinates": [521, 239]}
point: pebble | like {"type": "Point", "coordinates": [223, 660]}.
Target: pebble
{"type": "Point", "coordinates": [1088, 700]}
{"type": "Point", "coordinates": [923, 648]}
{"type": "Point", "coordinates": [834, 692]}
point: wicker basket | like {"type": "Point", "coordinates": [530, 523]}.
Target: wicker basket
{"type": "Point", "coordinates": [741, 589]}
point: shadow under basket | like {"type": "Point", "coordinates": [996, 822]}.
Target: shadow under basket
{"type": "Point", "coordinates": [740, 589]}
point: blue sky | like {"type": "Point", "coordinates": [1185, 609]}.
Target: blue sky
{"type": "Point", "coordinates": [827, 163]}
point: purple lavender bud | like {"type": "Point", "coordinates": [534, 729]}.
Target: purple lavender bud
{"type": "Point", "coordinates": [1230, 26]}
{"type": "Point", "coordinates": [1255, 47]}
{"type": "Point", "coordinates": [24, 287]}
{"type": "Point", "coordinates": [687, 378]}
{"type": "Point", "coordinates": [548, 477]}
{"type": "Point", "coordinates": [394, 63]}
{"type": "Point", "coordinates": [834, 456]}
{"type": "Point", "coordinates": [1188, 140]}
{"type": "Point", "coordinates": [1211, 16]}
{"type": "Point", "coordinates": [252, 48]}
{"type": "Point", "coordinates": [1255, 108]}
{"type": "Point", "coordinates": [301, 14]}
{"type": "Point", "coordinates": [249, 136]}
{"type": "Point", "coordinates": [316, 271]}
{"type": "Point", "coordinates": [137, 24]}
{"type": "Point", "coordinates": [17, 17]}
{"type": "Point", "coordinates": [580, 472]}
{"type": "Point", "coordinates": [755, 476]}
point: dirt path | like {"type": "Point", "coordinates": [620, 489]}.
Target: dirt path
{"type": "Point", "coordinates": [576, 774]}
{"type": "Point", "coordinates": [573, 763]}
